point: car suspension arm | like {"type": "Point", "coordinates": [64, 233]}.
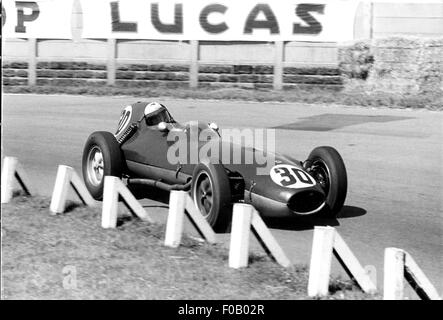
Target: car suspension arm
{"type": "Point", "coordinates": [161, 185]}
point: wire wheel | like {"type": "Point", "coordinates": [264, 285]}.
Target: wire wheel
{"type": "Point", "coordinates": [203, 196]}
{"type": "Point", "coordinates": [211, 193]}
{"type": "Point", "coordinates": [320, 172]}
{"type": "Point", "coordinates": [95, 166]}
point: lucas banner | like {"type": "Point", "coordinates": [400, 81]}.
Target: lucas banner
{"type": "Point", "coordinates": [214, 20]}
{"type": "Point", "coordinates": [220, 20]}
{"type": "Point", "coordinates": [37, 19]}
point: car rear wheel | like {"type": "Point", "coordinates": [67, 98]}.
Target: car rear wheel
{"type": "Point", "coordinates": [211, 193]}
{"type": "Point", "coordinates": [101, 157]}
{"type": "Point", "coordinates": [328, 169]}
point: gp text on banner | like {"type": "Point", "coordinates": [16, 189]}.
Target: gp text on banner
{"type": "Point", "coordinates": [37, 19]}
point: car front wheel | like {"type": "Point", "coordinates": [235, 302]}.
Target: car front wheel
{"type": "Point", "coordinates": [101, 157]}
{"type": "Point", "coordinates": [328, 169]}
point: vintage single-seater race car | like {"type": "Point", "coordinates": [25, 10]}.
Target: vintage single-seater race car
{"type": "Point", "coordinates": [140, 152]}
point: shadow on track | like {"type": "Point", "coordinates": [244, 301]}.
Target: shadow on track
{"type": "Point", "coordinates": [351, 212]}
{"type": "Point", "coordinates": [309, 222]}
{"type": "Point", "coordinates": [155, 194]}
{"type": "Point", "coordinates": [291, 223]}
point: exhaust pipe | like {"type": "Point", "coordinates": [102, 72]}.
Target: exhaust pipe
{"type": "Point", "coordinates": [161, 185]}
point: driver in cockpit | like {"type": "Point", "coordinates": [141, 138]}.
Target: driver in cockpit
{"type": "Point", "coordinates": [156, 113]}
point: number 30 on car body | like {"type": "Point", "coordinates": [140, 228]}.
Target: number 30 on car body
{"type": "Point", "coordinates": [291, 177]}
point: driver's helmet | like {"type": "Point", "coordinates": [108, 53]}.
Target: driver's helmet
{"type": "Point", "coordinates": [156, 113]}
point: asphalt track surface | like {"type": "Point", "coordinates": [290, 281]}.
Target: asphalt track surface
{"type": "Point", "coordinates": [393, 158]}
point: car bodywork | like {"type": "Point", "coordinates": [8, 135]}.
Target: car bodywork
{"type": "Point", "coordinates": [287, 190]}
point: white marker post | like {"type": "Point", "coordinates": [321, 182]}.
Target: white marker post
{"type": "Point", "coordinates": [241, 228]}
{"type": "Point", "coordinates": [321, 258]}
{"type": "Point", "coordinates": [174, 226]}
{"type": "Point", "coordinates": [11, 169]}
{"type": "Point", "coordinates": [244, 216]}
{"type": "Point", "coordinates": [418, 280]}
{"type": "Point", "coordinates": [393, 274]}
{"type": "Point", "coordinates": [400, 265]}
{"type": "Point", "coordinates": [180, 201]}
{"type": "Point", "coordinates": [199, 221]}
{"type": "Point", "coordinates": [352, 266]}
{"type": "Point", "coordinates": [327, 241]}
{"type": "Point", "coordinates": [66, 177]}
{"type": "Point", "coordinates": [268, 240]}
{"type": "Point", "coordinates": [113, 187]}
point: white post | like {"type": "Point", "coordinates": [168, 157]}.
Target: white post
{"type": "Point", "coordinates": [279, 48]}
{"type": "Point", "coordinates": [111, 61]}
{"type": "Point", "coordinates": [393, 274]}
{"type": "Point", "coordinates": [363, 22]}
{"type": "Point", "coordinates": [60, 191]}
{"type": "Point", "coordinates": [268, 240]}
{"type": "Point", "coordinates": [11, 169]}
{"type": "Point", "coordinates": [321, 258]}
{"type": "Point", "coordinates": [81, 190]}
{"type": "Point", "coordinates": [113, 187]}
{"type": "Point", "coordinates": [110, 203]}
{"type": "Point", "coordinates": [66, 177]}
{"type": "Point", "coordinates": [193, 67]}
{"type": "Point", "coordinates": [352, 265]}
{"type": "Point", "coordinates": [32, 63]}
{"type": "Point", "coordinates": [241, 226]}
{"type": "Point", "coordinates": [9, 165]}
{"type": "Point", "coordinates": [200, 222]}
{"type": "Point", "coordinates": [174, 226]}
{"type": "Point", "coordinates": [129, 199]}
{"type": "Point", "coordinates": [419, 279]}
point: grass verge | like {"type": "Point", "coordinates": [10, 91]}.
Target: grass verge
{"type": "Point", "coordinates": [431, 101]}
{"type": "Point", "coordinates": [69, 256]}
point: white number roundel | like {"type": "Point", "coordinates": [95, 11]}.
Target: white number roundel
{"type": "Point", "coordinates": [290, 176]}
{"type": "Point", "coordinates": [125, 118]}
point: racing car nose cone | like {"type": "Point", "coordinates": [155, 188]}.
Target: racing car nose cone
{"type": "Point", "coordinates": [306, 202]}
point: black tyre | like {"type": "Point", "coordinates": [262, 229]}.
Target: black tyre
{"type": "Point", "coordinates": [211, 193]}
{"type": "Point", "coordinates": [327, 167]}
{"type": "Point", "coordinates": [101, 157]}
